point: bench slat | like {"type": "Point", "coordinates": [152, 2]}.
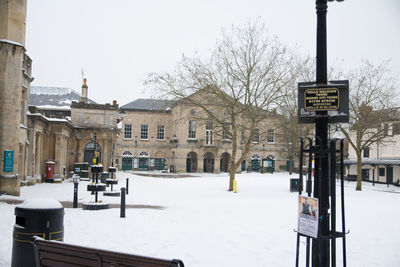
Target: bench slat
{"type": "Point", "coordinates": [59, 254]}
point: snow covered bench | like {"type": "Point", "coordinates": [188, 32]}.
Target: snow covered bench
{"type": "Point", "coordinates": [57, 254]}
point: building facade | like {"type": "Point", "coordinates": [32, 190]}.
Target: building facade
{"type": "Point", "coordinates": [167, 135]}
{"type": "Point", "coordinates": [380, 161]}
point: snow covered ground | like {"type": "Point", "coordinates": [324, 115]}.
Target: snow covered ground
{"type": "Point", "coordinates": [205, 225]}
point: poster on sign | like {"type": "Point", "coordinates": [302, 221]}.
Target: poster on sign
{"type": "Point", "coordinates": [308, 216]}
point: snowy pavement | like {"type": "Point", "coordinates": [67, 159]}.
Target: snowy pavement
{"type": "Point", "coordinates": [205, 225]}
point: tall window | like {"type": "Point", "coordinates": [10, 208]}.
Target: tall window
{"type": "Point", "coordinates": [209, 133]}
{"type": "Point", "coordinates": [128, 131]}
{"type": "Point", "coordinates": [160, 132]}
{"type": "Point", "coordinates": [270, 136]}
{"type": "Point", "coordinates": [192, 130]}
{"type": "Point", "coordinates": [256, 136]}
{"type": "Point", "coordinates": [225, 130]}
{"type": "Point", "coordinates": [366, 152]}
{"type": "Point", "coordinates": [144, 131]}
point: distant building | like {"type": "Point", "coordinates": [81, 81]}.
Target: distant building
{"type": "Point", "coordinates": [380, 161]}
{"type": "Point", "coordinates": [160, 135]}
{"type": "Point", "coordinates": [63, 129]}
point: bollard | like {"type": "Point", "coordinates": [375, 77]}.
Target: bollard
{"type": "Point", "coordinates": [127, 186]}
{"type": "Point", "coordinates": [75, 195]}
{"type": "Point", "coordinates": [122, 202]}
{"type": "Point", "coordinates": [96, 195]}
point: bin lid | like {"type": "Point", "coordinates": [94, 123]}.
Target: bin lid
{"type": "Point", "coordinates": [50, 162]}
{"type": "Point", "coordinates": [40, 203]}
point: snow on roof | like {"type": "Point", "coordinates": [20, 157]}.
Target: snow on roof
{"type": "Point", "coordinates": [50, 107]}
{"type": "Point", "coordinates": [41, 90]}
{"type": "Point", "coordinates": [51, 97]}
{"type": "Point", "coordinates": [40, 203]}
{"type": "Point", "coordinates": [369, 161]}
{"type": "Point", "coordinates": [11, 42]}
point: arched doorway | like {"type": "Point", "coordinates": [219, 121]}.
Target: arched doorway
{"type": "Point", "coordinates": [224, 162]}
{"type": "Point", "coordinates": [255, 163]}
{"type": "Point", "coordinates": [144, 161]}
{"type": "Point", "coordinates": [127, 159]}
{"type": "Point", "coordinates": [90, 154]}
{"type": "Point", "coordinates": [191, 162]}
{"type": "Point", "coordinates": [208, 162]}
{"type": "Point", "coordinates": [269, 163]}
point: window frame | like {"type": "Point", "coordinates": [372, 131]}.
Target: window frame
{"type": "Point", "coordinates": [366, 152]}
{"type": "Point", "coordinates": [256, 133]}
{"type": "Point", "coordinates": [125, 131]}
{"type": "Point", "coordinates": [192, 130]}
{"type": "Point", "coordinates": [160, 131]}
{"type": "Point", "coordinates": [270, 136]}
{"type": "Point", "coordinates": [144, 131]}
{"type": "Point", "coordinates": [225, 131]}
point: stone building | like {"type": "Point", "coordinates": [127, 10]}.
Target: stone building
{"type": "Point", "coordinates": [161, 135]}
{"type": "Point", "coordinates": [69, 133]}
{"type": "Point", "coordinates": [15, 79]}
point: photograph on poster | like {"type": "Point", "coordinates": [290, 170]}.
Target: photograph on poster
{"type": "Point", "coordinates": [308, 216]}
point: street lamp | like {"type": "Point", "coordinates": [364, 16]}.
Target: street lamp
{"type": "Point", "coordinates": [321, 248]}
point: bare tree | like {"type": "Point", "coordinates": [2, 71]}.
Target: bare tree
{"type": "Point", "coordinates": [241, 82]}
{"type": "Point", "coordinates": [373, 94]}
{"type": "Point", "coordinates": [303, 69]}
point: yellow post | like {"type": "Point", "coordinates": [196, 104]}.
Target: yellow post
{"type": "Point", "coordinates": [234, 186]}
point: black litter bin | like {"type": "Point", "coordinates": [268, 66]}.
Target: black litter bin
{"type": "Point", "coordinates": [35, 217]}
{"type": "Point", "coordinates": [171, 168]}
{"type": "Point", "coordinates": [294, 185]}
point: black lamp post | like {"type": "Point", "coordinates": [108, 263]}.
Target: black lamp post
{"type": "Point", "coordinates": [321, 247]}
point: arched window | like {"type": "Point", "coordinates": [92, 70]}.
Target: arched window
{"type": "Point", "coordinates": [127, 154]}
{"type": "Point", "coordinates": [144, 161]}
{"type": "Point", "coordinates": [127, 160]}
{"type": "Point", "coordinates": [144, 154]}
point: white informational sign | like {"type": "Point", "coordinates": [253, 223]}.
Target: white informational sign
{"type": "Point", "coordinates": [308, 216]}
{"type": "Point", "coordinates": [135, 163]}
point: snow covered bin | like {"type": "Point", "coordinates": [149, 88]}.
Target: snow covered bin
{"type": "Point", "coordinates": [35, 217]}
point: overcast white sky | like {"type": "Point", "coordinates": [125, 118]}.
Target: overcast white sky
{"type": "Point", "coordinates": [118, 42]}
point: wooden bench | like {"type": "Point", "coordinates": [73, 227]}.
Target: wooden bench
{"type": "Point", "coordinates": [59, 254]}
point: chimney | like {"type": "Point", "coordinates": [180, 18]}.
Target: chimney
{"type": "Point", "coordinates": [84, 98]}
{"type": "Point", "coordinates": [114, 102]}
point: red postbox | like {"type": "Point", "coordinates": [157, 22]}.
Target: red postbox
{"type": "Point", "coordinates": [50, 171]}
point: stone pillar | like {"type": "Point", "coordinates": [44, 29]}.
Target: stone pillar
{"type": "Point", "coordinates": [200, 163]}
{"type": "Point", "coordinates": [38, 153]}
{"type": "Point", "coordinates": [58, 155]}
{"type": "Point", "coordinates": [217, 163]}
